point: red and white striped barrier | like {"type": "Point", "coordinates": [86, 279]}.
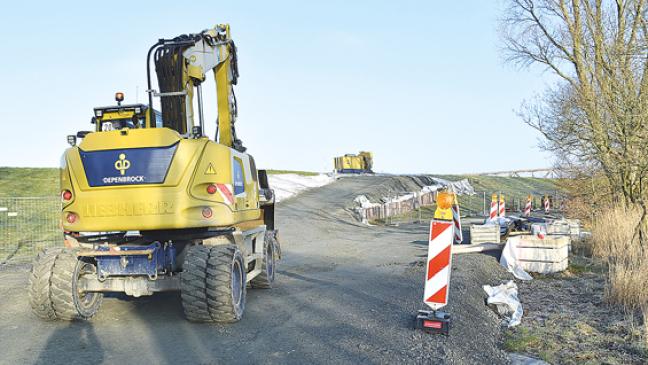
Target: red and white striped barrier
{"type": "Point", "coordinates": [547, 205]}
{"type": "Point", "coordinates": [439, 263]}
{"type": "Point", "coordinates": [456, 220]}
{"type": "Point", "coordinates": [493, 207]}
{"type": "Point", "coordinates": [502, 206]}
{"type": "Point", "coordinates": [527, 207]}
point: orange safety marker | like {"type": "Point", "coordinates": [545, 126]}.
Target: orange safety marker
{"type": "Point", "coordinates": [502, 206]}
{"type": "Point", "coordinates": [493, 208]}
{"type": "Point", "coordinates": [527, 207]}
{"type": "Point", "coordinates": [439, 262]}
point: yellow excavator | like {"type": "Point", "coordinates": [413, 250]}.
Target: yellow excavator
{"type": "Point", "coordinates": [362, 163]}
{"type": "Point", "coordinates": [151, 204]}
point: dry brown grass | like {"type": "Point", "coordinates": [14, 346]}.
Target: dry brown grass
{"type": "Point", "coordinates": [626, 255]}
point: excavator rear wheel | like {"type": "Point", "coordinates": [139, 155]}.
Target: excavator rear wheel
{"type": "Point", "coordinates": [69, 301]}
{"type": "Point", "coordinates": [40, 298]}
{"type": "Point", "coordinates": [226, 283]}
{"type": "Point", "coordinates": [193, 284]}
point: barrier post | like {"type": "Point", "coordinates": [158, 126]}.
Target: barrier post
{"type": "Point", "coordinates": [437, 273]}
{"type": "Point", "coordinates": [493, 208]}
{"type": "Point", "coordinates": [527, 207]}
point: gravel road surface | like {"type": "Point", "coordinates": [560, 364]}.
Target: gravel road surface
{"type": "Point", "coordinates": [346, 293]}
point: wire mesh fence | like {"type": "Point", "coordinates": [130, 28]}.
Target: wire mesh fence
{"type": "Point", "coordinates": [28, 225]}
{"type": "Point", "coordinates": [415, 207]}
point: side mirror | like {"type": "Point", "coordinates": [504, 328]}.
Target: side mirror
{"type": "Point", "coordinates": [93, 120]}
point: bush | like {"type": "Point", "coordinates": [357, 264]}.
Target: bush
{"type": "Point", "coordinates": [626, 255]}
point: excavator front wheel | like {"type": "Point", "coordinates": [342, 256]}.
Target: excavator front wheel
{"type": "Point", "coordinates": [265, 279]}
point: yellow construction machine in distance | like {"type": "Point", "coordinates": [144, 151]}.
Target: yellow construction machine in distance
{"type": "Point", "coordinates": [354, 164]}
{"type": "Point", "coordinates": [150, 203]}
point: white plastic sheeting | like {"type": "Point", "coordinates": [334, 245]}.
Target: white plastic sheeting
{"type": "Point", "coordinates": [287, 185]}
{"type": "Point", "coordinates": [505, 298]}
{"type": "Point", "coordinates": [461, 187]}
{"type": "Point", "coordinates": [509, 261]}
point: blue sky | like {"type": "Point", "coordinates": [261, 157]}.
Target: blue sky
{"type": "Point", "coordinates": [422, 84]}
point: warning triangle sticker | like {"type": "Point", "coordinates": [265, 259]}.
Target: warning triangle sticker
{"type": "Point", "coordinates": [210, 170]}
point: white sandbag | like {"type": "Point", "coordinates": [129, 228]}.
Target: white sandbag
{"type": "Point", "coordinates": [505, 298]}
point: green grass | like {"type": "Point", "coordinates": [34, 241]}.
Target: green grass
{"type": "Point", "coordinates": [25, 181]}
{"type": "Point", "coordinates": [521, 340]}
{"type": "Point", "coordinates": [302, 173]}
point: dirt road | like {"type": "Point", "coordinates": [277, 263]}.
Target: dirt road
{"type": "Point", "coordinates": [346, 293]}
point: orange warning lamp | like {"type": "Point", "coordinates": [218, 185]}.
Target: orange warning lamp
{"type": "Point", "coordinates": [444, 203]}
{"type": "Point", "coordinates": [445, 200]}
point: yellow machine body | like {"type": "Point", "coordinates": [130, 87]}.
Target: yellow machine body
{"type": "Point", "coordinates": [136, 172]}
{"type": "Point", "coordinates": [177, 202]}
{"type": "Point", "coordinates": [360, 163]}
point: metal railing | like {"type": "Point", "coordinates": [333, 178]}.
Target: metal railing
{"type": "Point", "coordinates": [27, 225]}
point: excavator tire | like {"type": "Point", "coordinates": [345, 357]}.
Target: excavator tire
{"type": "Point", "coordinates": [265, 279]}
{"type": "Point", "coordinates": [226, 283]}
{"type": "Point", "coordinates": [40, 298]}
{"type": "Point", "coordinates": [193, 284]}
{"type": "Point", "coordinates": [68, 302]}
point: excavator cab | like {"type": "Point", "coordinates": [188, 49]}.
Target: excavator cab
{"type": "Point", "coordinates": [131, 116]}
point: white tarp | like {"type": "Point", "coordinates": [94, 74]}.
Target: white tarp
{"type": "Point", "coordinates": [461, 187]}
{"type": "Point", "coordinates": [287, 185]}
{"type": "Point", "coordinates": [509, 261]}
{"type": "Point", "coordinates": [505, 298]}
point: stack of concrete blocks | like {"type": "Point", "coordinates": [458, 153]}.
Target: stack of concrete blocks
{"type": "Point", "coordinates": [484, 233]}
{"type": "Point", "coordinates": [542, 255]}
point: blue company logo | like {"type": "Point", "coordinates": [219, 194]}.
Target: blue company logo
{"type": "Point", "coordinates": [127, 166]}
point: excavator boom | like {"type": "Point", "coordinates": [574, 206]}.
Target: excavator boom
{"type": "Point", "coordinates": [181, 66]}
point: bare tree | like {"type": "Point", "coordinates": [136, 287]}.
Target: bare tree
{"type": "Point", "coordinates": [596, 118]}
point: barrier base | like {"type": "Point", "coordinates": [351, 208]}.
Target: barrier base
{"type": "Point", "coordinates": [435, 322]}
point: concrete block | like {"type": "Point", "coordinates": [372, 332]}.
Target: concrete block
{"type": "Point", "coordinates": [484, 233]}
{"type": "Point", "coordinates": [545, 256]}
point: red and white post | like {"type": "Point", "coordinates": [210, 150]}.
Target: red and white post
{"type": "Point", "coordinates": [493, 207]}
{"type": "Point", "coordinates": [437, 273]}
{"type": "Point", "coordinates": [547, 205]}
{"type": "Point", "coordinates": [527, 207]}
{"type": "Point", "coordinates": [456, 220]}
{"type": "Point", "coordinates": [502, 206]}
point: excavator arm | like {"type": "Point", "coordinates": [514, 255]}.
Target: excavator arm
{"type": "Point", "coordinates": [181, 65]}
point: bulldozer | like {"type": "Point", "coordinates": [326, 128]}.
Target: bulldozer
{"type": "Point", "coordinates": [362, 163]}
{"type": "Point", "coordinates": [151, 204]}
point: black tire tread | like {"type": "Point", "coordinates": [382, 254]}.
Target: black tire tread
{"type": "Point", "coordinates": [193, 284]}
{"type": "Point", "coordinates": [219, 290]}
{"type": "Point", "coordinates": [39, 291]}
{"type": "Point", "coordinates": [63, 296]}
